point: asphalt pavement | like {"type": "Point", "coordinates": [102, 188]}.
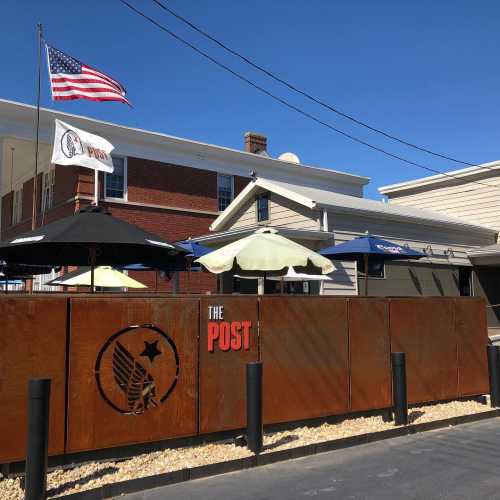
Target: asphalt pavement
{"type": "Point", "coordinates": [456, 463]}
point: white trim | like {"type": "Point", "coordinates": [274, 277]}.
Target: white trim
{"type": "Point", "coordinates": [238, 202]}
{"type": "Point", "coordinates": [125, 181]}
{"type": "Point", "coordinates": [17, 118]}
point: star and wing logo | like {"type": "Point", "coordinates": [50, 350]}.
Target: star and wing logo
{"type": "Point", "coordinates": [137, 369]}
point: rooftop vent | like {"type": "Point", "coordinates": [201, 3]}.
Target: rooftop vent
{"type": "Point", "coordinates": [290, 157]}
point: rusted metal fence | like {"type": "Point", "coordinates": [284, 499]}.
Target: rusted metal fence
{"type": "Point", "coordinates": [129, 370]}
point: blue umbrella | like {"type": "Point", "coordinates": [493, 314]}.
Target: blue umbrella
{"type": "Point", "coordinates": [194, 248]}
{"type": "Point", "coordinates": [369, 245]}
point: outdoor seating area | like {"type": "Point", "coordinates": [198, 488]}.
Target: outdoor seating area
{"type": "Point", "coordinates": [203, 278]}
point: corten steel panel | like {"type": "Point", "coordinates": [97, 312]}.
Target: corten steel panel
{"type": "Point", "coordinates": [472, 337]}
{"type": "Point", "coordinates": [32, 345]}
{"type": "Point", "coordinates": [304, 348]}
{"type": "Point", "coordinates": [369, 352]}
{"type": "Point", "coordinates": [424, 329]}
{"type": "Point", "coordinates": [222, 390]}
{"type": "Point", "coordinates": [129, 387]}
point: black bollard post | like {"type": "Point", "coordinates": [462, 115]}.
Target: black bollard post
{"type": "Point", "coordinates": [494, 374]}
{"type": "Point", "coordinates": [38, 439]}
{"type": "Point", "coordinates": [399, 388]}
{"type": "Point", "coordinates": [254, 407]}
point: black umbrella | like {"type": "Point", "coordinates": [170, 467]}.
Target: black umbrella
{"type": "Point", "coordinates": [91, 237]}
{"type": "Point", "coordinates": [21, 271]}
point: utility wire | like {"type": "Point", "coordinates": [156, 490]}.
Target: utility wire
{"type": "Point", "coordinates": [288, 104]}
{"type": "Point", "coordinates": [303, 92]}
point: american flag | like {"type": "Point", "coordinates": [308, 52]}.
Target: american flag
{"type": "Point", "coordinates": [71, 79]}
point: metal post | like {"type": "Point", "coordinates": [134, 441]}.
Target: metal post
{"type": "Point", "coordinates": [96, 187]}
{"type": "Point", "coordinates": [38, 439]}
{"type": "Point", "coordinates": [254, 407]}
{"type": "Point", "coordinates": [92, 260]}
{"type": "Point", "coordinates": [399, 388]}
{"type": "Point", "coordinates": [493, 352]}
{"type": "Point", "coordinates": [365, 258]}
{"type": "Point", "coordinates": [35, 180]}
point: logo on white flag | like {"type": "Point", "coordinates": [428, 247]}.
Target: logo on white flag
{"type": "Point", "coordinates": [73, 146]}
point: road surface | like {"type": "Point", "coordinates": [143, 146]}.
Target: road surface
{"type": "Point", "coordinates": [456, 463]}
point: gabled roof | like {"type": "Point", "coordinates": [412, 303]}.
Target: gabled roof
{"type": "Point", "coordinates": [311, 197]}
{"type": "Point", "coordinates": [453, 177]}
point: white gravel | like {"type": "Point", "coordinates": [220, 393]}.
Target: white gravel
{"type": "Point", "coordinates": [93, 474]}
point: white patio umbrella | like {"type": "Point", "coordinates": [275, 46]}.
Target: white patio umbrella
{"type": "Point", "coordinates": [291, 275]}
{"type": "Point", "coordinates": [104, 277]}
{"type": "Point", "coordinates": [263, 253]}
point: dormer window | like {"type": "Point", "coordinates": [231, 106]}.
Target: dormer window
{"type": "Point", "coordinates": [262, 205]}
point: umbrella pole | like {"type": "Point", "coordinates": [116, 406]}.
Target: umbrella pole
{"type": "Point", "coordinates": [92, 266]}
{"type": "Point", "coordinates": [365, 256]}
{"type": "Point", "coordinates": [96, 187]}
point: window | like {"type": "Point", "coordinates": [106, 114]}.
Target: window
{"type": "Point", "coordinates": [376, 268]}
{"type": "Point", "coordinates": [17, 206]}
{"type": "Point", "coordinates": [464, 281]}
{"type": "Point", "coordinates": [225, 190]}
{"type": "Point", "coordinates": [262, 207]}
{"type": "Point", "coordinates": [48, 182]}
{"type": "Point", "coordinates": [115, 184]}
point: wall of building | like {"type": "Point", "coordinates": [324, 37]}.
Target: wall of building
{"type": "Point", "coordinates": [486, 281]}
{"type": "Point", "coordinates": [282, 212]}
{"type": "Point", "coordinates": [414, 279]}
{"type": "Point", "coordinates": [476, 203]}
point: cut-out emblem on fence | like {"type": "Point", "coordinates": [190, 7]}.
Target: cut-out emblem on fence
{"type": "Point", "coordinates": [137, 369]}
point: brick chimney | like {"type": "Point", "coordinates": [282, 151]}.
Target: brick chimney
{"type": "Point", "coordinates": [255, 143]}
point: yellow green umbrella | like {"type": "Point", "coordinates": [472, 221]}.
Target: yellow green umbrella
{"type": "Point", "coordinates": [104, 277]}
{"type": "Point", "coordinates": [263, 252]}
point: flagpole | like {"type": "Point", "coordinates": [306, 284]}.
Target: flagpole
{"type": "Point", "coordinates": [40, 34]}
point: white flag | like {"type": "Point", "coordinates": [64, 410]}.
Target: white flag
{"type": "Point", "coordinates": [73, 146]}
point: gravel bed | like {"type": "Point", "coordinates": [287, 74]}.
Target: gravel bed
{"type": "Point", "coordinates": [94, 474]}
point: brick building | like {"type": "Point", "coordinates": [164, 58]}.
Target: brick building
{"type": "Point", "coordinates": [170, 186]}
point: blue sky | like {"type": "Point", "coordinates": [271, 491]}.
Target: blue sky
{"type": "Point", "coordinates": [427, 71]}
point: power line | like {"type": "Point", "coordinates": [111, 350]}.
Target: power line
{"type": "Point", "coordinates": [303, 92]}
{"type": "Point", "coordinates": [287, 103]}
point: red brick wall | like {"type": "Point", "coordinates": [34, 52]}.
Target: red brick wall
{"type": "Point", "coordinates": [7, 211]}
{"type": "Point", "coordinates": [27, 200]}
{"type": "Point", "coordinates": [240, 183]}
{"type": "Point", "coordinates": [176, 186]}
{"type": "Point", "coordinates": [189, 282]}
{"type": "Point", "coordinates": [168, 224]}
{"type": "Point", "coordinates": [160, 184]}
{"type": "Point", "coordinates": [66, 186]}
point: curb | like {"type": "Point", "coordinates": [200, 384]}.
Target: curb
{"type": "Point", "coordinates": [203, 471]}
